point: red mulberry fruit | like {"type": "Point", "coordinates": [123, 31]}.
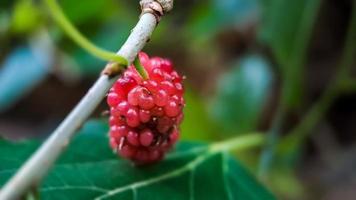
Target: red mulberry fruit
{"type": "Point", "coordinates": [146, 113]}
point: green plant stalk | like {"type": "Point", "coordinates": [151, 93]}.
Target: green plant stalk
{"type": "Point", "coordinates": [272, 140]}
{"type": "Point", "coordinates": [294, 73]}
{"type": "Point", "coordinates": [296, 62]}
{"type": "Point", "coordinates": [238, 143]}
{"type": "Point", "coordinates": [141, 70]}
{"type": "Point", "coordinates": [77, 37]}
{"type": "Point", "coordinates": [290, 143]}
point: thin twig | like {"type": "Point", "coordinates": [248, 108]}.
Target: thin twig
{"type": "Point", "coordinates": [32, 172]}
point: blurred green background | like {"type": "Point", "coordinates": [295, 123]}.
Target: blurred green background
{"type": "Point", "coordinates": [251, 65]}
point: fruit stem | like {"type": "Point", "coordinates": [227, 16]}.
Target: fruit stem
{"type": "Point", "coordinates": [141, 70]}
{"type": "Point", "coordinates": [77, 37]}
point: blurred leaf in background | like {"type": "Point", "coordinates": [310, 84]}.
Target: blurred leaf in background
{"type": "Point", "coordinates": [87, 11]}
{"type": "Point", "coordinates": [6, 3]}
{"type": "Point", "coordinates": [214, 15]}
{"type": "Point", "coordinates": [106, 23]}
{"type": "Point", "coordinates": [25, 68]}
{"type": "Point", "coordinates": [286, 28]}
{"type": "Point", "coordinates": [26, 17]}
{"type": "Point", "coordinates": [108, 37]}
{"type": "Point", "coordinates": [196, 124]}
{"type": "Point", "coordinates": [286, 184]}
{"type": "Point", "coordinates": [241, 94]}
{"type": "Point", "coordinates": [5, 22]}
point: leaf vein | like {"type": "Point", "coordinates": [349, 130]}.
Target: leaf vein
{"type": "Point", "coordinates": [191, 184]}
{"type": "Point", "coordinates": [70, 187]}
{"type": "Point", "coordinates": [172, 174]}
{"type": "Point", "coordinates": [225, 168]}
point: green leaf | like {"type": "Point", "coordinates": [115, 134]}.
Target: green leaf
{"type": "Point", "coordinates": [89, 170]}
{"type": "Point", "coordinates": [287, 28]}
{"type": "Point", "coordinates": [241, 94]}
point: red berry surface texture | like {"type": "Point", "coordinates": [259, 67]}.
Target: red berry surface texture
{"type": "Point", "coordinates": [145, 114]}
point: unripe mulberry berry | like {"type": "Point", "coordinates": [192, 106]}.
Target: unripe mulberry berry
{"type": "Point", "coordinates": [146, 113]}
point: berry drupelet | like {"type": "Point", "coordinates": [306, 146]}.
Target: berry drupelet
{"type": "Point", "coordinates": [145, 114]}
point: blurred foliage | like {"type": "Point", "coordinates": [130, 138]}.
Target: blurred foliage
{"type": "Point", "coordinates": [286, 184]}
{"type": "Point", "coordinates": [4, 22]}
{"type": "Point", "coordinates": [209, 18]}
{"type": "Point", "coordinates": [90, 11]}
{"type": "Point", "coordinates": [196, 124]}
{"type": "Point", "coordinates": [288, 36]}
{"type": "Point", "coordinates": [109, 37]}
{"type": "Point", "coordinates": [26, 17]}
{"type": "Point", "coordinates": [12, 88]}
{"type": "Point", "coordinates": [25, 67]}
{"type": "Point", "coordinates": [241, 95]}
{"type": "Point", "coordinates": [109, 24]}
